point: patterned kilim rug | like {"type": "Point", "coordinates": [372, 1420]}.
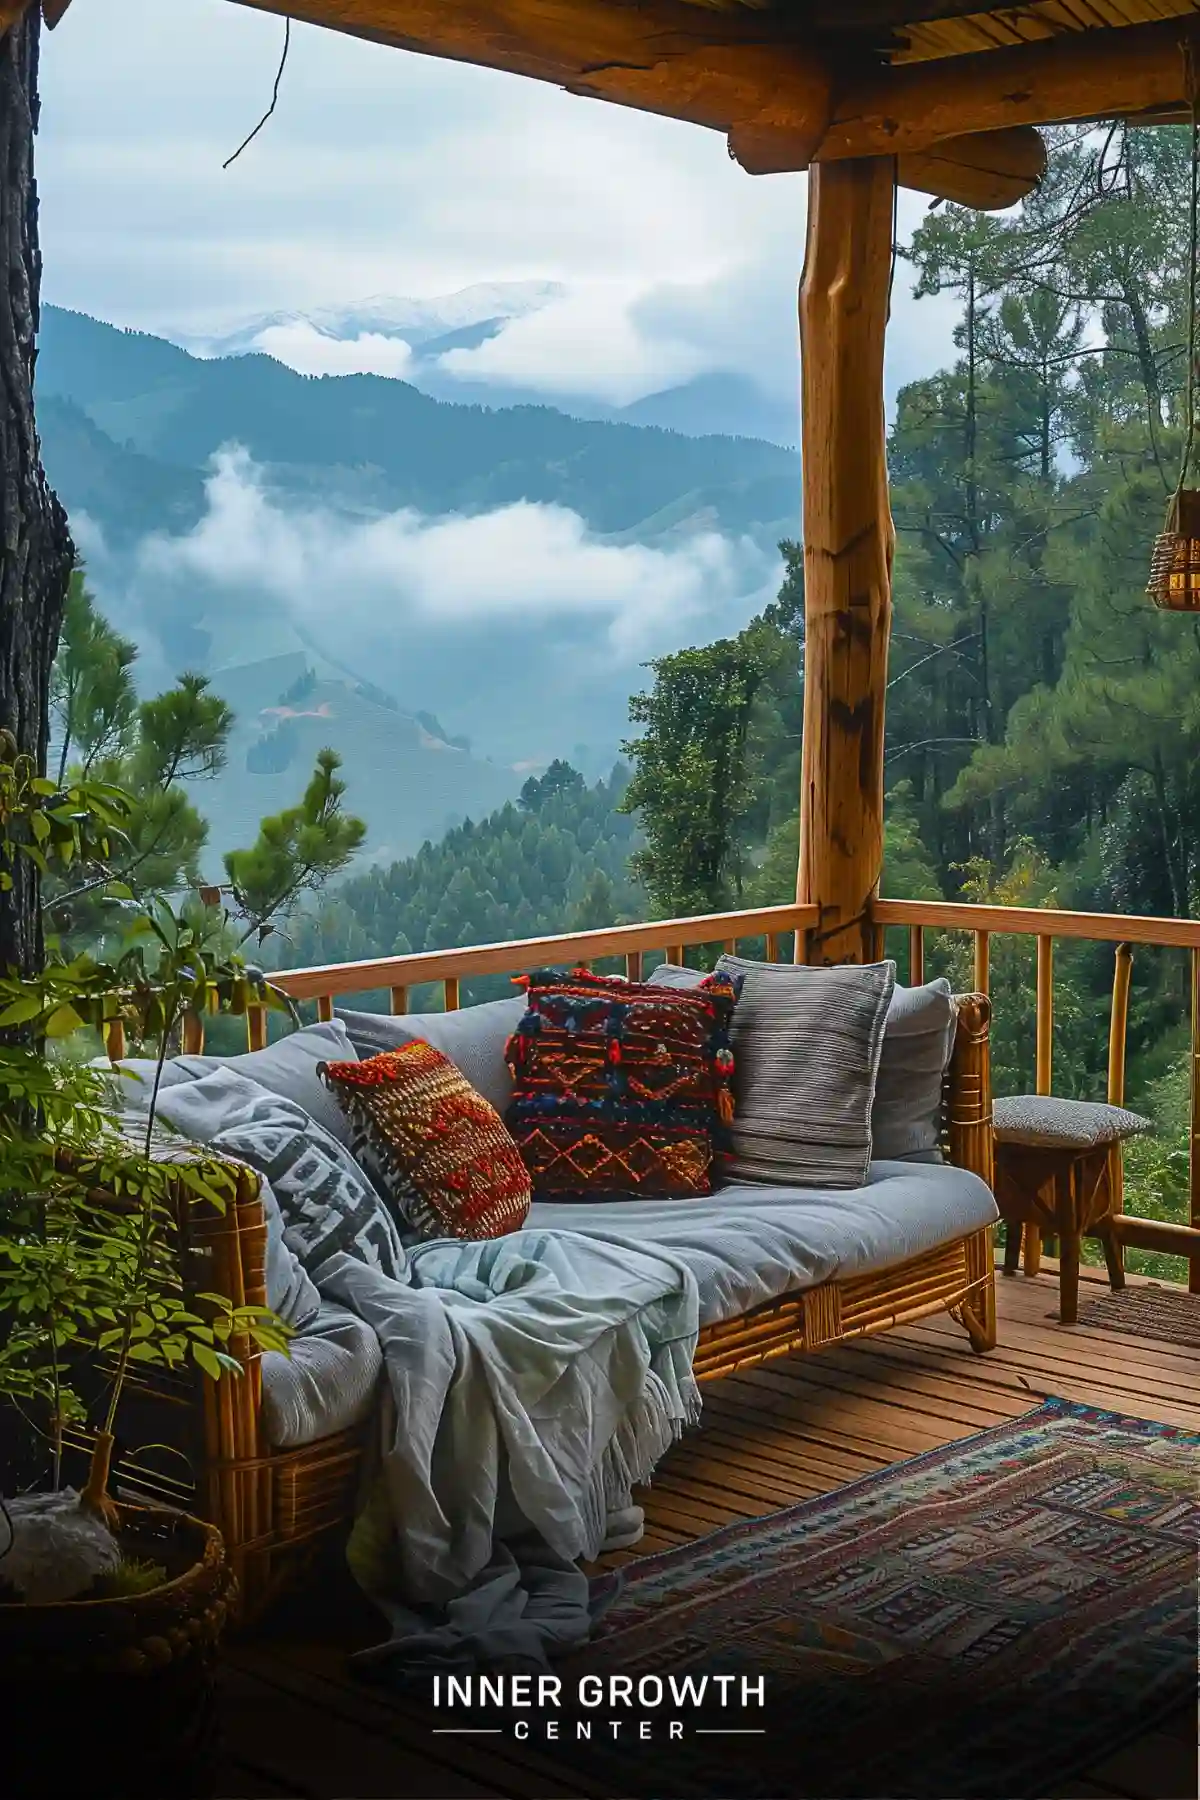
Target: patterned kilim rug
{"type": "Point", "coordinates": [985, 1620]}
{"type": "Point", "coordinates": [1152, 1312]}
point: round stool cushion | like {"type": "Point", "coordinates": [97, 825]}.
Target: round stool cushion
{"type": "Point", "coordinates": [1044, 1122]}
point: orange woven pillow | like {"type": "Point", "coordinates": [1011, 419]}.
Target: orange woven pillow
{"type": "Point", "coordinates": [439, 1149]}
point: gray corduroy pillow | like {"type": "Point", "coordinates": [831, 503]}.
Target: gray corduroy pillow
{"type": "Point", "coordinates": [806, 1045]}
{"type": "Point", "coordinates": [918, 1038]}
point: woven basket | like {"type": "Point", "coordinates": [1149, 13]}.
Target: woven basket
{"type": "Point", "coordinates": [1174, 581]}
{"type": "Point", "coordinates": [117, 1697]}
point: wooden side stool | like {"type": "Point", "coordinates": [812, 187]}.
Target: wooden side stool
{"type": "Point", "coordinates": [1058, 1162]}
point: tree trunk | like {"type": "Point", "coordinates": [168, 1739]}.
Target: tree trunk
{"type": "Point", "coordinates": [36, 553]}
{"type": "Point", "coordinates": [847, 552]}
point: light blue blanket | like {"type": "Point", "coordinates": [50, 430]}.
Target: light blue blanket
{"type": "Point", "coordinates": [531, 1382]}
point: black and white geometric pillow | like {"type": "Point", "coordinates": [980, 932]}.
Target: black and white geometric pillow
{"type": "Point", "coordinates": [326, 1202]}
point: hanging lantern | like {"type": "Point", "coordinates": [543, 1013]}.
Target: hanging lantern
{"type": "Point", "coordinates": [1174, 581]}
{"type": "Point", "coordinates": [1175, 565]}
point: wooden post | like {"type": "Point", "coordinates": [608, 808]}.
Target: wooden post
{"type": "Point", "coordinates": [848, 542]}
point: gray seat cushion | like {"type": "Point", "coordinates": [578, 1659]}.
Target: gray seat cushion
{"type": "Point", "coordinates": [289, 1069]}
{"type": "Point", "coordinates": [918, 1039]}
{"type": "Point", "coordinates": [473, 1037]}
{"type": "Point", "coordinates": [1044, 1122]}
{"type": "Point", "coordinates": [747, 1244]}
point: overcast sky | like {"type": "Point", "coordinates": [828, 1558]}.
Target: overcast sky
{"type": "Point", "coordinates": [387, 173]}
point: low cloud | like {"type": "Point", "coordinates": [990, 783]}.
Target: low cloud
{"type": "Point", "coordinates": [311, 352]}
{"type": "Point", "coordinates": [526, 564]}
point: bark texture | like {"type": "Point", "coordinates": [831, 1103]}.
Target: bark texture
{"type": "Point", "coordinates": [847, 552]}
{"type": "Point", "coordinates": [36, 553]}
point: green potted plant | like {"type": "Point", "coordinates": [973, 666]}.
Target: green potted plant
{"type": "Point", "coordinates": [114, 1609]}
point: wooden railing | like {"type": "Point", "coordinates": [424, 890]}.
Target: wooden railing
{"type": "Point", "coordinates": [1045, 925]}
{"type": "Point", "coordinates": [399, 975]}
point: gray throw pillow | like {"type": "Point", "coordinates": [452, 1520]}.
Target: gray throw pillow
{"type": "Point", "coordinates": [918, 1039]}
{"type": "Point", "coordinates": [906, 1119]}
{"type": "Point", "coordinates": [473, 1037]}
{"type": "Point", "coordinates": [806, 1045]}
{"type": "Point", "coordinates": [326, 1202]}
{"type": "Point", "coordinates": [289, 1069]}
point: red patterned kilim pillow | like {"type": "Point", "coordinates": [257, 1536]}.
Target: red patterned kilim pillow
{"type": "Point", "coordinates": [439, 1149]}
{"type": "Point", "coordinates": [620, 1087]}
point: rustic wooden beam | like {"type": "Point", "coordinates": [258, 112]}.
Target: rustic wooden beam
{"type": "Point", "coordinates": [1080, 75]}
{"type": "Point", "coordinates": [848, 541]}
{"type": "Point", "coordinates": [989, 170]}
{"type": "Point", "coordinates": [660, 56]}
{"type": "Point", "coordinates": [745, 70]}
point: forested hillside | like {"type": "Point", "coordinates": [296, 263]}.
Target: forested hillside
{"type": "Point", "coordinates": [556, 861]}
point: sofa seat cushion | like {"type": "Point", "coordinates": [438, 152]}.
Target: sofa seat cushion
{"type": "Point", "coordinates": [748, 1243]}
{"type": "Point", "coordinates": [1046, 1122]}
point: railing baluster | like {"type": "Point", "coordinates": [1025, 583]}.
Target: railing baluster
{"type": "Point", "coordinates": [325, 1007]}
{"type": "Point", "coordinates": [916, 955]}
{"type": "Point", "coordinates": [256, 1027]}
{"type": "Point", "coordinates": [675, 955]}
{"type": "Point", "coordinates": [1043, 1068]}
{"type": "Point", "coordinates": [1194, 1145]}
{"type": "Point", "coordinates": [114, 1041]}
{"type": "Point", "coordinates": [730, 946]}
{"type": "Point", "coordinates": [772, 946]}
{"type": "Point", "coordinates": [399, 1000]}
{"type": "Point", "coordinates": [1045, 1014]}
{"type": "Point", "coordinates": [633, 965]}
{"type": "Point", "coordinates": [983, 962]}
{"type": "Point", "coordinates": [1117, 1022]}
{"type": "Point", "coordinates": [193, 1034]}
{"type": "Point", "coordinates": [450, 990]}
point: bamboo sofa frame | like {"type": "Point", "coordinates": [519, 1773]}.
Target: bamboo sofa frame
{"type": "Point", "coordinates": [274, 1506]}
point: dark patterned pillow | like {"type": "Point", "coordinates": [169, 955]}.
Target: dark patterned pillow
{"type": "Point", "coordinates": [620, 1087]}
{"type": "Point", "coordinates": [436, 1146]}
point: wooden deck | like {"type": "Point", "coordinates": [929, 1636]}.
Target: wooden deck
{"type": "Point", "coordinates": [297, 1725]}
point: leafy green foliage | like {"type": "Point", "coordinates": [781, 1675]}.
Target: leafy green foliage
{"type": "Point", "coordinates": [297, 850]}
{"type": "Point", "coordinates": [90, 1242]}
{"type": "Point", "coordinates": [148, 758]}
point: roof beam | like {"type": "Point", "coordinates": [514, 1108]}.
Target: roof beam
{"type": "Point", "coordinates": [660, 56]}
{"type": "Point", "coordinates": [989, 170]}
{"type": "Point", "coordinates": [753, 75]}
{"type": "Point", "coordinates": [1081, 75]}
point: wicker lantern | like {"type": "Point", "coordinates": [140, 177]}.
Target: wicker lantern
{"type": "Point", "coordinates": [1175, 565]}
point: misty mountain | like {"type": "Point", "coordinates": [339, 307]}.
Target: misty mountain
{"type": "Point", "coordinates": [720, 402]}
{"type": "Point", "coordinates": [379, 443]}
{"type": "Point", "coordinates": [505, 569]}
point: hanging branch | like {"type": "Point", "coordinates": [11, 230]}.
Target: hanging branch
{"type": "Point", "coordinates": [287, 38]}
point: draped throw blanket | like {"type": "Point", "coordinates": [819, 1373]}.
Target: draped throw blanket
{"type": "Point", "coordinates": [532, 1381]}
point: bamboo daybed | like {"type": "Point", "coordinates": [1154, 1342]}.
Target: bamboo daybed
{"type": "Point", "coordinates": [207, 1443]}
